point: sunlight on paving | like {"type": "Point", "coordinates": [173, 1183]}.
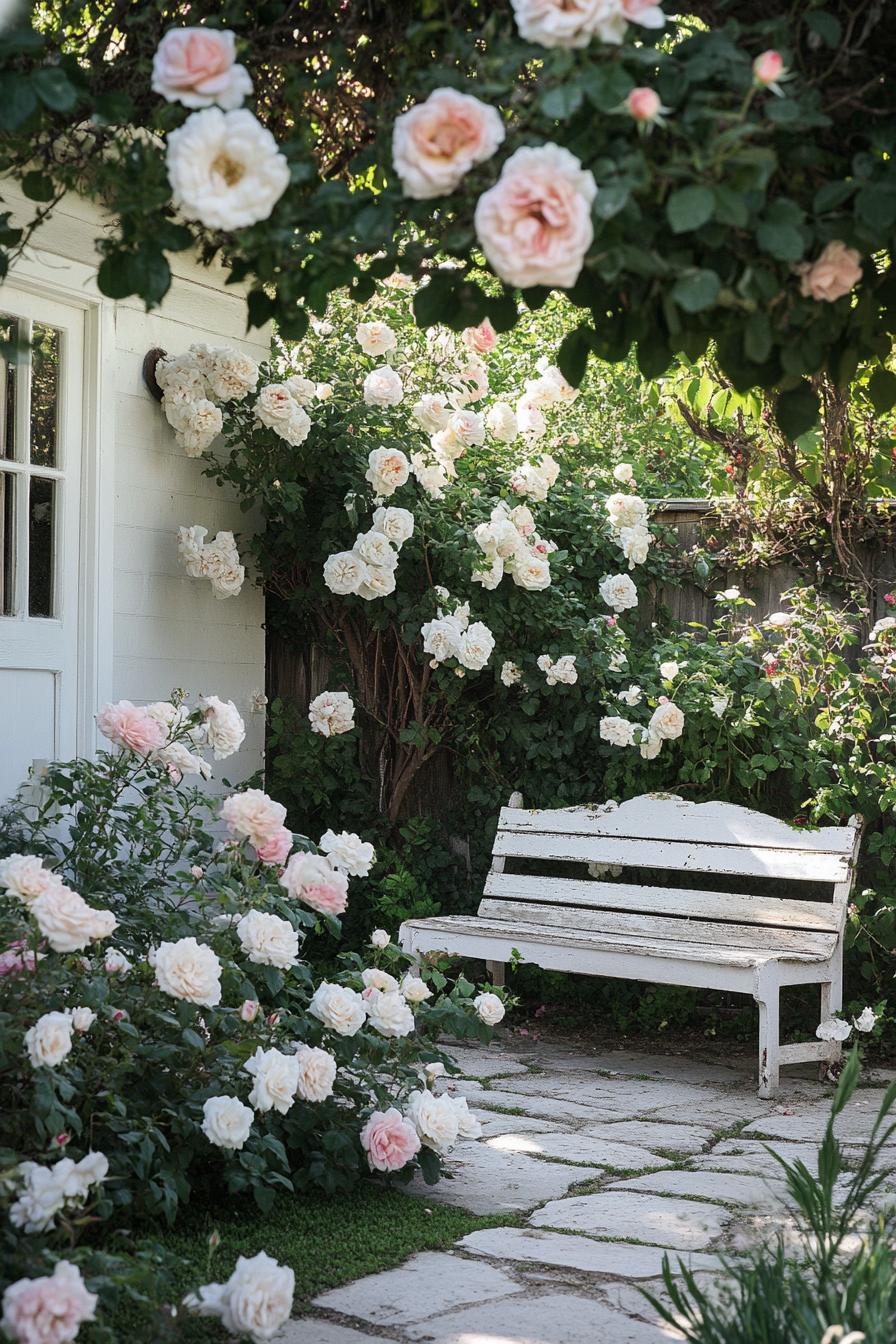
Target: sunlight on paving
{"type": "Point", "coordinates": [514, 1143]}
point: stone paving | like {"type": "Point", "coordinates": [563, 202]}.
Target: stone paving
{"type": "Point", "coordinates": [601, 1164]}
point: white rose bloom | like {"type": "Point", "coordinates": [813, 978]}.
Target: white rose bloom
{"type": "Point", "coordinates": [226, 1122]}
{"type": "Point", "coordinates": [467, 427]}
{"type": "Point", "coordinates": [375, 549]}
{"type": "Point", "coordinates": [635, 543]}
{"type": "Point", "coordinates": [317, 1073]}
{"type": "Point", "coordinates": [256, 1300]}
{"type": "Point", "coordinates": [491, 577]}
{"type": "Point", "coordinates": [501, 422]}
{"type": "Point", "coordinates": [83, 1018]}
{"type": "Point", "coordinates": [387, 469]}
{"type": "Point", "coordinates": [345, 572]}
{"type": "Point", "coordinates": [190, 547]}
{"type": "Point", "coordinates": [232, 375]}
{"type": "Point", "coordinates": [618, 732]}
{"type": "Point", "coordinates": [435, 1119]}
{"type": "Point", "coordinates": [383, 387]}
{"type": "Point", "coordinates": [224, 728]}
{"type": "Point", "coordinates": [779, 620]}
{"type": "Point", "coordinates": [332, 713]}
{"type": "Point", "coordinates": [564, 670]}
{"type": "Point", "coordinates": [49, 1040]}
{"type": "Point", "coordinates": [650, 745]}
{"type": "Point", "coordinates": [380, 939]}
{"type": "Point", "coordinates": [669, 671]}
{"type": "Point", "coordinates": [730, 595]}
{"type": "Point", "coordinates": [339, 1008]}
{"type": "Point", "coordinates": [630, 697]}
{"type": "Point", "coordinates": [476, 646]}
{"type": "Point", "coordinates": [277, 409]}
{"type": "Point", "coordinates": [431, 475]}
{"type": "Point", "coordinates": [414, 989]}
{"type": "Point", "coordinates": [666, 721]}
{"type": "Point", "coordinates": [618, 591]}
{"type": "Point", "coordinates": [447, 448]}
{"type": "Point", "coordinates": [468, 1126]}
{"type": "Point", "coordinates": [833, 1029]}
{"type": "Point", "coordinates": [380, 582]}
{"type": "Point", "coordinates": [115, 962]}
{"type": "Point", "coordinates": [348, 853]}
{"type": "Point", "coordinates": [375, 338]}
{"type": "Point", "coordinates": [511, 673]}
{"type": "Point", "coordinates": [617, 661]}
{"type": "Point", "coordinates": [196, 425]}
{"type": "Point", "coordinates": [323, 391]}
{"type": "Point", "coordinates": [626, 510]}
{"type": "Point", "coordinates": [530, 419]}
{"type": "Point", "coordinates": [40, 1197]}
{"type": "Point", "coordinates": [302, 390]}
{"type": "Point", "coordinates": [225, 169]}
{"type": "Point", "coordinates": [719, 703]}
{"type": "Point", "coordinates": [532, 573]}
{"type": "Point", "coordinates": [181, 379]}
{"type": "Point", "coordinates": [523, 519]}
{"type": "Point", "coordinates": [374, 978]}
{"type": "Point", "coordinates": [24, 876]}
{"type": "Point", "coordinates": [569, 23]}
{"type": "Point", "coordinates": [865, 1020]}
{"type": "Point", "coordinates": [389, 1014]}
{"type": "Point", "coordinates": [489, 1008]}
{"type": "Point", "coordinates": [882, 627]}
{"type": "Point", "coordinates": [623, 472]}
{"type": "Point", "coordinates": [276, 1080]}
{"type": "Point", "coordinates": [268, 940]}
{"type": "Point", "coordinates": [396, 524]}
{"type": "Point", "coordinates": [190, 971]}
{"type": "Point", "coordinates": [67, 922]}
{"type": "Point", "coordinates": [432, 412]}
{"type": "Point", "coordinates": [442, 638]}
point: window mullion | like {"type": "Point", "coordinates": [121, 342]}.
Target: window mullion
{"type": "Point", "coordinates": [22, 454]}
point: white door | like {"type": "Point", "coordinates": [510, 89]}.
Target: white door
{"type": "Point", "coordinates": [41, 429]}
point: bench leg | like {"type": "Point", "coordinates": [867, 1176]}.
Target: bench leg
{"type": "Point", "coordinates": [496, 972]}
{"type": "Point", "coordinates": [831, 1003]}
{"type": "Point", "coordinates": [769, 1043]}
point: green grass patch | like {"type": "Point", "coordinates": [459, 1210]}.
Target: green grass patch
{"type": "Point", "coordinates": [326, 1241]}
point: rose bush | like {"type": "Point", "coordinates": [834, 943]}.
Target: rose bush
{"type": "Point", "coordinates": [159, 1030]}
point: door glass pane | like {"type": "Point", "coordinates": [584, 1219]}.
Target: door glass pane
{"type": "Point", "coordinates": [7, 543]}
{"type": "Point", "coordinates": [9, 331]}
{"type": "Point", "coordinates": [44, 394]}
{"type": "Point", "coordinates": [40, 546]}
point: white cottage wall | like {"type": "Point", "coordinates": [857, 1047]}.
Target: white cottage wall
{"type": "Point", "coordinates": [146, 627]}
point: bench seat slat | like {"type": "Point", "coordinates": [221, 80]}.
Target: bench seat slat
{"type": "Point", "coordinates": [676, 819]}
{"type": "Point", "coordinates": [661, 928]}
{"type": "Point", "coordinates": [683, 856]}
{"type": "Point", "coordinates": [773, 911]}
{"type": "Point", "coordinates": [435, 935]}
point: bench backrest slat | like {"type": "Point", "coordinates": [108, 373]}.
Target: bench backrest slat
{"type": "Point", "coordinates": [663, 833]}
{"type": "Point", "coordinates": [773, 911]}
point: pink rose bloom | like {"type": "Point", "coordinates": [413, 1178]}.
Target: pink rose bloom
{"type": "Point", "coordinates": [276, 849]}
{"type": "Point", "coordinates": [643, 104]}
{"type": "Point", "coordinates": [835, 273]}
{"type": "Point", "coordinates": [768, 68]}
{"type": "Point", "coordinates": [17, 958]}
{"type": "Point", "coordinates": [254, 816]}
{"type": "Point", "coordinates": [389, 1140]}
{"type": "Point", "coordinates": [482, 339]}
{"type": "Point", "coordinates": [437, 142]}
{"type": "Point", "coordinates": [129, 726]}
{"type": "Point", "coordinates": [312, 878]}
{"type": "Point", "coordinates": [49, 1310]}
{"type": "Point", "coordinates": [330, 898]}
{"type": "Point", "coordinates": [644, 12]}
{"type": "Point", "coordinates": [195, 66]}
{"type": "Point", "coordinates": [534, 225]}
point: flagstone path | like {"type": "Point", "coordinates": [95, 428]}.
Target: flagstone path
{"type": "Point", "coordinates": [602, 1164]}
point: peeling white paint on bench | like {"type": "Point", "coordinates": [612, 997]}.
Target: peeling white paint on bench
{"type": "Point", "coordinates": [750, 944]}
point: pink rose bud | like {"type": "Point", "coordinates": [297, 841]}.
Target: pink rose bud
{"type": "Point", "coordinates": [643, 104]}
{"type": "Point", "coordinates": [62, 1139]}
{"type": "Point", "coordinates": [249, 1010]}
{"type": "Point", "coordinates": [611, 621]}
{"type": "Point", "coordinates": [272, 1019]}
{"type": "Point", "coordinates": [214, 1240]}
{"type": "Point", "coordinates": [768, 68]}
{"type": "Point", "coordinates": [119, 1015]}
{"type": "Point", "coordinates": [889, 599]}
{"type": "Point", "coordinates": [197, 871]}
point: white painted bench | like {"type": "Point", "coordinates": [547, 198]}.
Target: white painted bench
{"type": "Point", "coordinates": [751, 944]}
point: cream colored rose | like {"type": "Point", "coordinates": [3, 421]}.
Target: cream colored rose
{"type": "Point", "coordinates": [389, 1014]}
{"type": "Point", "coordinates": [83, 1018]}
{"type": "Point", "coordinates": [232, 375]}
{"type": "Point", "coordinates": [190, 971]}
{"type": "Point", "coordinates": [626, 510]}
{"type": "Point", "coordinates": [435, 1119]}
{"type": "Point", "coordinates": [490, 1008]}
{"type": "Point", "coordinates": [835, 273]}
{"type": "Point", "coordinates": [414, 989]}
{"type": "Point", "coordinates": [380, 582]}
{"type": "Point", "coordinates": [268, 940]}
{"type": "Point", "coordinates": [618, 591]}
{"type": "Point", "coordinates": [396, 524]}
{"type": "Point", "coordinates": [383, 387]}
{"type": "Point", "coordinates": [49, 1040]}
{"type": "Point", "coordinates": [502, 422]}
{"type": "Point", "coordinates": [225, 169]}
{"type": "Point", "coordinates": [256, 1300]}
{"type": "Point", "coordinates": [302, 390]}
{"type": "Point", "coordinates": [332, 713]}
{"type": "Point", "coordinates": [623, 472]}
{"type": "Point", "coordinates": [532, 572]}
{"type": "Point", "coordinates": [568, 23]}
{"type": "Point", "coordinates": [387, 469]}
{"type": "Point", "coordinates": [317, 1073]}
{"type": "Point", "coordinates": [276, 1080]}
{"type": "Point", "coordinates": [432, 412]}
{"type": "Point", "coordinates": [476, 646]}
{"type": "Point", "coordinates": [375, 549]}
{"type": "Point", "coordinates": [253, 815]}
{"type": "Point", "coordinates": [374, 978]}
{"type": "Point", "coordinates": [666, 721]}
{"type": "Point", "coordinates": [345, 572]}
{"type": "Point", "coordinates": [224, 728]}
{"type": "Point", "coordinates": [534, 225]}
{"type": "Point", "coordinates": [24, 876]}
{"type": "Point", "coordinates": [437, 142]}
{"type": "Point", "coordinates": [511, 673]}
{"type": "Point", "coordinates": [380, 939]}
{"type": "Point", "coordinates": [226, 1122]}
{"type": "Point", "coordinates": [375, 338]}
{"type": "Point", "coordinates": [348, 853]}
{"type": "Point", "coordinates": [635, 543]}
{"type": "Point", "coordinates": [618, 732]}
{"type": "Point", "coordinates": [339, 1008]}
{"type": "Point", "coordinates": [67, 922]}
{"type": "Point", "coordinates": [468, 1126]}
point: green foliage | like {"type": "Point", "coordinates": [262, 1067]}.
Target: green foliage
{"type": "Point", "coordinates": [835, 1268]}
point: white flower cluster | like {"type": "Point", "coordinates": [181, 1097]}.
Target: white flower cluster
{"type": "Point", "coordinates": [64, 918]}
{"type": "Point", "coordinates": [837, 1029]}
{"type": "Point", "coordinates": [217, 560]}
{"type": "Point", "coordinates": [512, 546]}
{"type": "Point", "coordinates": [562, 671]}
{"type": "Point", "coordinates": [534, 479]}
{"type": "Point", "coordinates": [46, 1191]}
{"type": "Point", "coordinates": [550, 389]}
{"type": "Point", "coordinates": [628, 521]}
{"type": "Point", "coordinates": [453, 635]}
{"type": "Point", "coordinates": [193, 386]}
{"type": "Point", "coordinates": [368, 569]}
{"type": "Point", "coordinates": [666, 723]}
